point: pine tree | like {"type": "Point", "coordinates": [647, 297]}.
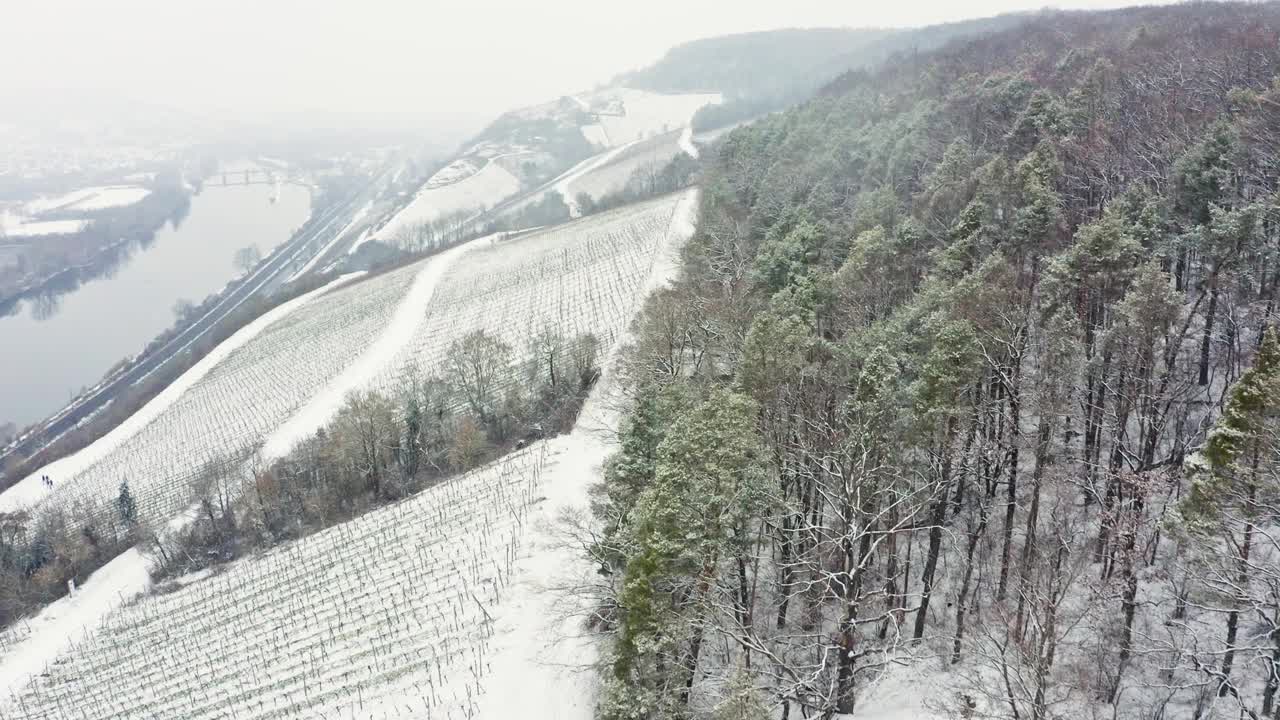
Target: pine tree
{"type": "Point", "coordinates": [125, 504]}
{"type": "Point", "coordinates": [706, 480]}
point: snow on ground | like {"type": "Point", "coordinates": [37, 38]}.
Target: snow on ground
{"type": "Point", "coordinates": [92, 198]}
{"type": "Point", "coordinates": [901, 693]}
{"type": "Point", "coordinates": [595, 134]}
{"type": "Point", "coordinates": [44, 227]}
{"type": "Point", "coordinates": [456, 171]}
{"type": "Point", "coordinates": [488, 187]}
{"type": "Point", "coordinates": [47, 203]}
{"type": "Point", "coordinates": [109, 197]}
{"type": "Point", "coordinates": [338, 639]}
{"type": "Point", "coordinates": [30, 490]}
{"type": "Point", "coordinates": [65, 622]}
{"type": "Point", "coordinates": [613, 174]}
{"type": "Point", "coordinates": [541, 657]}
{"type": "Point", "coordinates": [686, 142]}
{"type": "Point", "coordinates": [564, 184]}
{"type": "Point", "coordinates": [647, 114]}
{"type": "Point", "coordinates": [398, 332]}
{"type": "Point", "coordinates": [365, 237]}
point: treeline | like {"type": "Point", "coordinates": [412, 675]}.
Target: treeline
{"type": "Point", "coordinates": [488, 399]}
{"type": "Point", "coordinates": [970, 367]}
{"type": "Point", "coordinates": [380, 448]}
{"type": "Point", "coordinates": [763, 72]}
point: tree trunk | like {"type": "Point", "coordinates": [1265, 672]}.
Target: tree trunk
{"type": "Point", "coordinates": [1207, 339]}
{"type": "Point", "coordinates": [935, 533]}
{"type": "Point", "coordinates": [1033, 517]}
{"type": "Point", "coordinates": [1011, 505]}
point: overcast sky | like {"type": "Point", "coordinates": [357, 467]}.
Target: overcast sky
{"type": "Point", "coordinates": [418, 58]}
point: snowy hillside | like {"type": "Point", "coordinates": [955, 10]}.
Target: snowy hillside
{"type": "Point", "coordinates": [289, 371]}
{"type": "Point", "coordinates": [433, 607]}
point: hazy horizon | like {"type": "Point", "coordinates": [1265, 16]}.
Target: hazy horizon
{"type": "Point", "coordinates": [385, 63]}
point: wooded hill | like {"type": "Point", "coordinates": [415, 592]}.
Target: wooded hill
{"type": "Point", "coordinates": [761, 72]}
{"type": "Point", "coordinates": [968, 370]}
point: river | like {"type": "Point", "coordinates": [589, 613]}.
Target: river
{"type": "Point", "coordinates": [50, 350]}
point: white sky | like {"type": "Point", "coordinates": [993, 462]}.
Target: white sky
{"type": "Point", "coordinates": [462, 58]}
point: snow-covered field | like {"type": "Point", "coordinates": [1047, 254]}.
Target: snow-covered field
{"type": "Point", "coordinates": [383, 616]}
{"type": "Point", "coordinates": [582, 277]}
{"type": "Point", "coordinates": [42, 227]}
{"type": "Point", "coordinates": [93, 198]}
{"type": "Point", "coordinates": [444, 605]}
{"type": "Point", "coordinates": [455, 171]}
{"type": "Point", "coordinates": [489, 186]}
{"type": "Point", "coordinates": [645, 114]}
{"type": "Point", "coordinates": [109, 197]}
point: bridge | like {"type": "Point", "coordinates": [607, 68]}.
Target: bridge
{"type": "Point", "coordinates": [253, 176]}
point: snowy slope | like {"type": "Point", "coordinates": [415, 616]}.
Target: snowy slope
{"type": "Point", "coordinates": [646, 114]}
{"type": "Point", "coordinates": [478, 192]}
{"type": "Point", "coordinates": [443, 604]}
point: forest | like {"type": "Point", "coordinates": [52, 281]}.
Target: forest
{"type": "Point", "coordinates": [972, 371]}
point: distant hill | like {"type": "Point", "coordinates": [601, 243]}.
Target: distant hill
{"type": "Point", "coordinates": [762, 72]}
{"type": "Point", "coordinates": [752, 63]}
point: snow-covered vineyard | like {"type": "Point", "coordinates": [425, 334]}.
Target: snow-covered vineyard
{"type": "Point", "coordinates": [392, 614]}
{"type": "Point", "coordinates": [388, 615]}
{"type": "Point", "coordinates": [285, 381]}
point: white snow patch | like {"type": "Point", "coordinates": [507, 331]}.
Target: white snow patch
{"type": "Point", "coordinates": [399, 331]}
{"type": "Point", "coordinates": [456, 171]}
{"type": "Point", "coordinates": [595, 134]}
{"type": "Point", "coordinates": [47, 203]}
{"type": "Point", "coordinates": [686, 142]}
{"type": "Point", "coordinates": [46, 227]}
{"type": "Point", "coordinates": [488, 187]}
{"type": "Point", "coordinates": [645, 114]}
{"type": "Point", "coordinates": [30, 490]}
{"type": "Point", "coordinates": [900, 694]}
{"type": "Point", "coordinates": [365, 237]}
{"type": "Point", "coordinates": [109, 197]}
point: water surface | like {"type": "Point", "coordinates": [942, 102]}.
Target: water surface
{"type": "Point", "coordinates": [52, 347]}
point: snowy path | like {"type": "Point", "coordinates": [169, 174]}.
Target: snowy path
{"type": "Point", "coordinates": [30, 490]}
{"type": "Point", "coordinates": [686, 142]}
{"type": "Point", "coordinates": [563, 184]}
{"type": "Point", "coordinates": [541, 657]}
{"type": "Point", "coordinates": [399, 331]}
